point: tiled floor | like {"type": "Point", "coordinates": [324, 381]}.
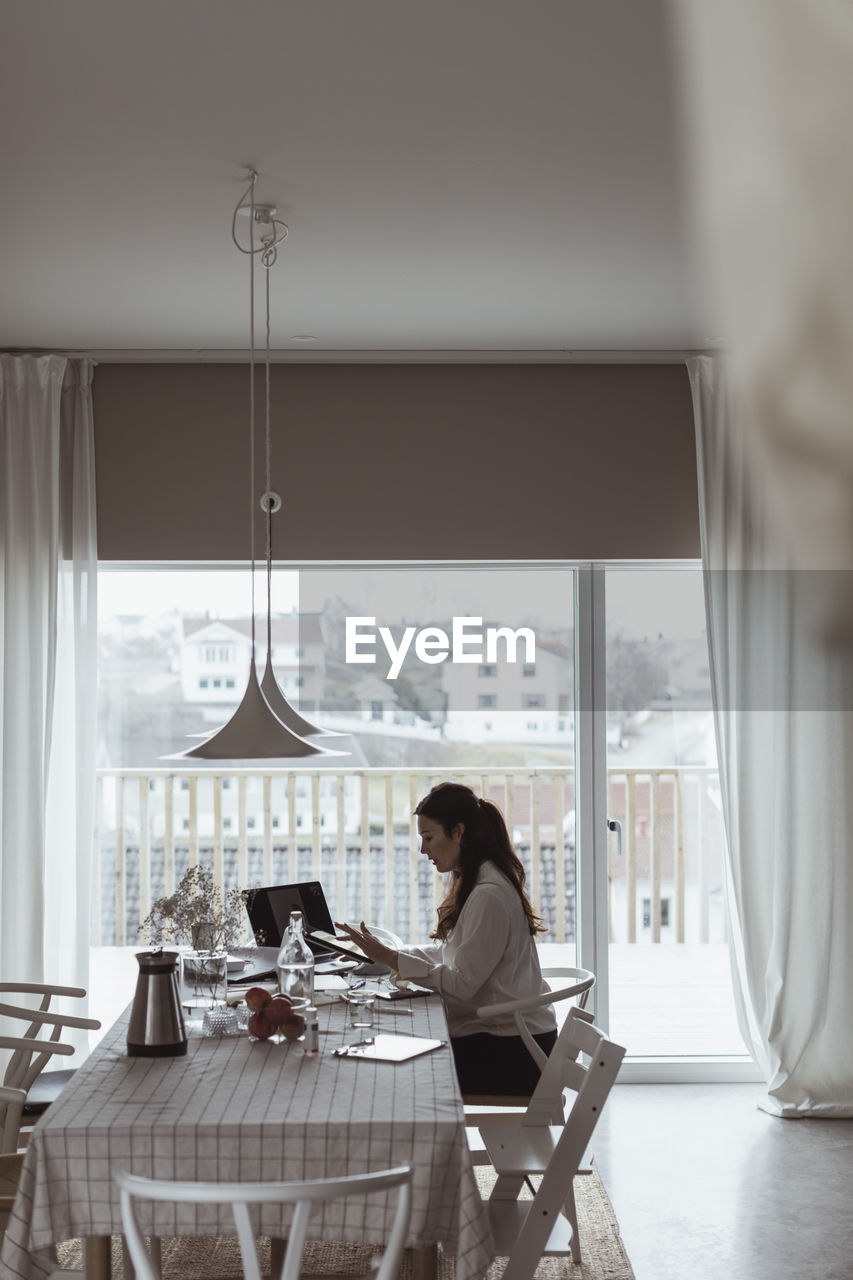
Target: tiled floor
{"type": "Point", "coordinates": [708, 1187]}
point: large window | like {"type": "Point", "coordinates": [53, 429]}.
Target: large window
{"type": "Point", "coordinates": [430, 672]}
{"type": "Point", "coordinates": [394, 659]}
{"type": "Point", "coordinates": [402, 660]}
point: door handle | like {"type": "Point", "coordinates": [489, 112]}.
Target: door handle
{"type": "Point", "coordinates": [613, 824]}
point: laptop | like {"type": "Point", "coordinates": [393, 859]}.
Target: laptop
{"type": "Point", "coordinates": [269, 912]}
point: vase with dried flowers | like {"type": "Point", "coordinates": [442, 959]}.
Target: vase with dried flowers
{"type": "Point", "coordinates": [200, 914]}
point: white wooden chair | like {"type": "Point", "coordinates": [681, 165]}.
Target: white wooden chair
{"type": "Point", "coordinates": [385, 935]}
{"type": "Point", "coordinates": [390, 940]}
{"type": "Point", "coordinates": [37, 1044]}
{"type": "Point", "coordinates": [241, 1195]}
{"type": "Point", "coordinates": [31, 1052]}
{"type": "Point", "coordinates": [526, 1230]}
{"type": "Point", "coordinates": [582, 982]}
{"type": "Point", "coordinates": [11, 1105]}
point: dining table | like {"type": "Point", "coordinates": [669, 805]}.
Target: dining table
{"type": "Point", "coordinates": [238, 1109]}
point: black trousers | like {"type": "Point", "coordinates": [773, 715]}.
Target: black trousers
{"type": "Point", "coordinates": [498, 1064]}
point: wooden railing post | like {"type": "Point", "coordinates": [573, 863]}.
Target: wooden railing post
{"type": "Point", "coordinates": [533, 800]}
{"type": "Point", "coordinates": [120, 863]}
{"type": "Point", "coordinates": [678, 837]}
{"type": "Point", "coordinates": [629, 848]}
{"type": "Point", "coordinates": [654, 854]}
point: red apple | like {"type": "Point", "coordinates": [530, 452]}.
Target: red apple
{"type": "Point", "coordinates": [257, 998]}
{"type": "Point", "coordinates": [278, 1010]}
{"type": "Point", "coordinates": [260, 1026]}
{"type": "Point", "coordinates": [293, 1026]}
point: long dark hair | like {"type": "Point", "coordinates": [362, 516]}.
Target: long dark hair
{"type": "Point", "coordinates": [484, 839]}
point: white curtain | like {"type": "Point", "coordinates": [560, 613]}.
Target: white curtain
{"type": "Point", "coordinates": [48, 623]}
{"type": "Point", "coordinates": [767, 105]}
{"type": "Point", "coordinates": [784, 738]}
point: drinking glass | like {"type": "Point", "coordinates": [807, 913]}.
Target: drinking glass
{"type": "Point", "coordinates": [362, 1008]}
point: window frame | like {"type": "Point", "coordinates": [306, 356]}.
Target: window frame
{"type": "Point", "coordinates": [589, 618]}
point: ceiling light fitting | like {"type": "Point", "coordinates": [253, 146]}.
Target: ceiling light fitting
{"type": "Point", "coordinates": [265, 726]}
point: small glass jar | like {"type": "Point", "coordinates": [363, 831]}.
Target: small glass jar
{"type": "Point", "coordinates": [220, 1020]}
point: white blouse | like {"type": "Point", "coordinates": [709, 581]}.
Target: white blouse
{"type": "Point", "coordinates": [489, 956]}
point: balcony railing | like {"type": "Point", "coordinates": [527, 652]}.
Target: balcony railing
{"type": "Point", "coordinates": [354, 830]}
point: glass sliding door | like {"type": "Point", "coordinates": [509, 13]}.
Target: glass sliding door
{"type": "Point", "coordinates": [670, 991]}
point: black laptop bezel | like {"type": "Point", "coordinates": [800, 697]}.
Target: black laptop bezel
{"type": "Point", "coordinates": [269, 911]}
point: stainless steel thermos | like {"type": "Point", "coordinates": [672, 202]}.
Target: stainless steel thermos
{"type": "Point", "coordinates": [156, 1027]}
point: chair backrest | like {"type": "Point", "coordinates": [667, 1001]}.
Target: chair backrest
{"type": "Point", "coordinates": [581, 983]}
{"type": "Point", "coordinates": [592, 1082]}
{"type": "Point", "coordinates": [562, 1069]}
{"type": "Point", "coordinates": [385, 935]}
{"type": "Point", "coordinates": [241, 1195]}
{"type": "Point", "coordinates": [39, 1040]}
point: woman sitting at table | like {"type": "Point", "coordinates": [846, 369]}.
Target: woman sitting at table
{"type": "Point", "coordinates": [485, 951]}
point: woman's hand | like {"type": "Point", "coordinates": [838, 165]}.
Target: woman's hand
{"type": "Point", "coordinates": [372, 947]}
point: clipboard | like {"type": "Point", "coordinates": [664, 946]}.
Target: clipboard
{"type": "Point", "coordinates": [389, 1048]}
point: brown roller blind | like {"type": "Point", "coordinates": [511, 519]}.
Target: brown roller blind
{"type": "Point", "coordinates": [382, 462]}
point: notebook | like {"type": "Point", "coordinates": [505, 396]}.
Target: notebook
{"type": "Point", "coordinates": [389, 1048]}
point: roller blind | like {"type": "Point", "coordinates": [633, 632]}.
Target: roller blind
{"type": "Point", "coordinates": [379, 462]}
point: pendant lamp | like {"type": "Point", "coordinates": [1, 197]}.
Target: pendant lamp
{"type": "Point", "coordinates": [264, 726]}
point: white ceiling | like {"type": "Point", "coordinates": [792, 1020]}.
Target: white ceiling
{"type": "Point", "coordinates": [457, 175]}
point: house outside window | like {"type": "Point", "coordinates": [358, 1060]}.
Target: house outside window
{"type": "Point", "coordinates": [487, 700]}
{"type": "Point", "coordinates": [531, 700]}
{"type": "Point", "coordinates": [529, 669]}
{"type": "Point", "coordinates": [487, 669]}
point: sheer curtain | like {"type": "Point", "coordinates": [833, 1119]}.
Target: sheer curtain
{"type": "Point", "coordinates": [767, 100]}
{"type": "Point", "coordinates": [48, 616]}
{"type": "Point", "coordinates": [784, 726]}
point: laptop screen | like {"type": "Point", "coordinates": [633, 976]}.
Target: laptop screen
{"type": "Point", "coordinates": [269, 911]}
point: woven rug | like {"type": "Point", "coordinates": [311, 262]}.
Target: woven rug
{"type": "Point", "coordinates": [218, 1258]}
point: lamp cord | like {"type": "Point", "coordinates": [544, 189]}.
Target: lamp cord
{"type": "Point", "coordinates": [268, 448]}
{"type": "Point", "coordinates": [252, 395]}
{"type": "Point", "coordinates": [269, 253]}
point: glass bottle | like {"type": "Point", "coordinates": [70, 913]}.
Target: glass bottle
{"type": "Point", "coordinates": [295, 964]}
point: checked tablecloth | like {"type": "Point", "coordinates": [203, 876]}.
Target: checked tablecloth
{"type": "Point", "coordinates": [237, 1110]}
